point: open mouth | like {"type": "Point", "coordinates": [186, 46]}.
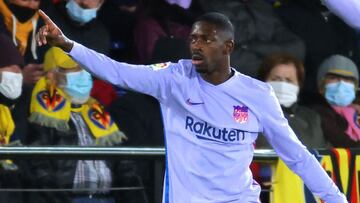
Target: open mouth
{"type": "Point", "coordinates": [197, 59]}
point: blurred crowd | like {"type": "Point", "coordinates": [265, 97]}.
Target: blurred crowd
{"type": "Point", "coordinates": [306, 50]}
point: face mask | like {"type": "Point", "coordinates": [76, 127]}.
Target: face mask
{"type": "Point", "coordinates": [11, 84]}
{"type": "Point", "coordinates": [21, 13]}
{"type": "Point", "coordinates": [78, 86]}
{"type": "Point", "coordinates": [340, 93]}
{"type": "Point", "coordinates": [285, 92]}
{"type": "Point", "coordinates": [79, 14]}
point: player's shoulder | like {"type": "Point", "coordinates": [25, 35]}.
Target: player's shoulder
{"type": "Point", "coordinates": [254, 91]}
{"type": "Point", "coordinates": [182, 67]}
{"type": "Point", "coordinates": [252, 83]}
{"type": "Point", "coordinates": [185, 67]}
{"type": "Point", "coordinates": [161, 66]}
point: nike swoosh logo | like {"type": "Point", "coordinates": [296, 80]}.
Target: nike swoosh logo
{"type": "Point", "coordinates": [189, 102]}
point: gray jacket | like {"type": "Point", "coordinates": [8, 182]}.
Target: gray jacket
{"type": "Point", "coordinates": [306, 124]}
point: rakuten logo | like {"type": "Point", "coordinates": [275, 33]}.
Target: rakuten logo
{"type": "Point", "coordinates": [205, 131]}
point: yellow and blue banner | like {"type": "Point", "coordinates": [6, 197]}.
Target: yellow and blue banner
{"type": "Point", "coordinates": [342, 165]}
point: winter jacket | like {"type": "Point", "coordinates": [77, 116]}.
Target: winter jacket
{"type": "Point", "coordinates": [306, 124]}
{"type": "Point", "coordinates": [57, 173]}
{"type": "Point", "coordinates": [333, 125]}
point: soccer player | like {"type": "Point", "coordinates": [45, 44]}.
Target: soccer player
{"type": "Point", "coordinates": [212, 116]}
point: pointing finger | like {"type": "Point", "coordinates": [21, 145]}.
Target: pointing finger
{"type": "Point", "coordinates": [51, 26]}
{"type": "Point", "coordinates": [46, 18]}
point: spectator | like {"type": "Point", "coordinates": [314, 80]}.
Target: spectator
{"type": "Point", "coordinates": [12, 121]}
{"type": "Point", "coordinates": [338, 78]}
{"type": "Point", "coordinates": [19, 19]}
{"type": "Point", "coordinates": [285, 74]}
{"type": "Point", "coordinates": [62, 113]}
{"type": "Point", "coordinates": [139, 116]}
{"type": "Point", "coordinates": [258, 33]}
{"type": "Point", "coordinates": [119, 17]}
{"type": "Point", "coordinates": [161, 32]}
{"type": "Point", "coordinates": [78, 20]}
{"type": "Point", "coordinates": [145, 129]}
{"type": "Point", "coordinates": [324, 35]}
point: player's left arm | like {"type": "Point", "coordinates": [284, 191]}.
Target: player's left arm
{"type": "Point", "coordinates": [294, 153]}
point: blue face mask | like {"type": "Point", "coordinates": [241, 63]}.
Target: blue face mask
{"type": "Point", "coordinates": [78, 86]}
{"type": "Point", "coordinates": [340, 93]}
{"type": "Point", "coordinates": [79, 14]}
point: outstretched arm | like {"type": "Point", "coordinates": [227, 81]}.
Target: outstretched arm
{"type": "Point", "coordinates": [295, 155]}
{"type": "Point", "coordinates": [138, 78]}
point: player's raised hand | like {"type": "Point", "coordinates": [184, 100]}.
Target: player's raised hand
{"type": "Point", "coordinates": [51, 34]}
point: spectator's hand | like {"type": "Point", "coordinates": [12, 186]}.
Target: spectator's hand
{"type": "Point", "coordinates": [32, 73]}
{"type": "Point", "coordinates": [51, 34]}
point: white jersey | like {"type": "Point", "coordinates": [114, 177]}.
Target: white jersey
{"type": "Point", "coordinates": [210, 130]}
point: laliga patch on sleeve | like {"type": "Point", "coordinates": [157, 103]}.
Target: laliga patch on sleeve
{"type": "Point", "coordinates": [160, 66]}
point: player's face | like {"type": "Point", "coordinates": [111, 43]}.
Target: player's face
{"type": "Point", "coordinates": [207, 47]}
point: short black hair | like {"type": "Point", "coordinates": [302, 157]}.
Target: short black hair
{"type": "Point", "coordinates": [220, 20]}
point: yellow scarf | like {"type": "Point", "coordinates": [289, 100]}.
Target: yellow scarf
{"type": "Point", "coordinates": [7, 125]}
{"type": "Point", "coordinates": [22, 30]}
{"type": "Point", "coordinates": [50, 107]}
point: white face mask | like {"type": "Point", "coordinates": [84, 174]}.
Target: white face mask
{"type": "Point", "coordinates": [285, 92]}
{"type": "Point", "coordinates": [11, 84]}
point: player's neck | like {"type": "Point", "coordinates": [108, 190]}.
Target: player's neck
{"type": "Point", "coordinates": [217, 77]}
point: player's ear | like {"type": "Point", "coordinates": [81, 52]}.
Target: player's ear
{"type": "Point", "coordinates": [229, 46]}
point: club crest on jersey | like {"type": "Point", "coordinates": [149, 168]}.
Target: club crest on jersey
{"type": "Point", "coordinates": [159, 66]}
{"type": "Point", "coordinates": [241, 114]}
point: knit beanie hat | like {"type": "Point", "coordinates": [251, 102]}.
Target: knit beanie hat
{"type": "Point", "coordinates": [338, 65]}
{"type": "Point", "coordinates": [56, 57]}
{"type": "Point", "coordinates": [9, 54]}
